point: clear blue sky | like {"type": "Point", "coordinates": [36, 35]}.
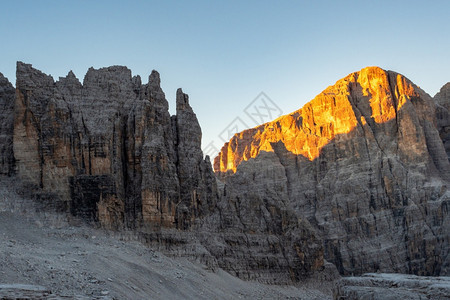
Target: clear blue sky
{"type": "Point", "coordinates": [224, 53]}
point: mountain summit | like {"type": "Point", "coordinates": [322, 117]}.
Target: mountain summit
{"type": "Point", "coordinates": [371, 103]}
{"type": "Point", "coordinates": [364, 163]}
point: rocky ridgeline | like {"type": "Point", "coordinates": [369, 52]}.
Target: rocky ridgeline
{"type": "Point", "coordinates": [108, 151]}
{"type": "Point", "coordinates": [359, 176]}
{"type": "Point", "coordinates": [364, 163]}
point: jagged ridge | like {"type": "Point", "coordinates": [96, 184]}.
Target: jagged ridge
{"type": "Point", "coordinates": [108, 149]}
{"type": "Point", "coordinates": [109, 152]}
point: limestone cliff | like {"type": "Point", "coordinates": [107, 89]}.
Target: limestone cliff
{"type": "Point", "coordinates": [358, 175]}
{"type": "Point", "coordinates": [364, 163]}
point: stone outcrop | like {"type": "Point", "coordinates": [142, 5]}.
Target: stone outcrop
{"type": "Point", "coordinates": [442, 100]}
{"type": "Point", "coordinates": [22, 291]}
{"type": "Point", "coordinates": [363, 162]}
{"type": "Point", "coordinates": [6, 126]}
{"type": "Point", "coordinates": [108, 151]}
{"type": "Point", "coordinates": [198, 188]}
{"type": "Point", "coordinates": [392, 286]}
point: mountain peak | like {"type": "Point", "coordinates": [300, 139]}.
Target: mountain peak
{"type": "Point", "coordinates": [369, 97]}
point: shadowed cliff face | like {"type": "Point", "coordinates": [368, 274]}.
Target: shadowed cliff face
{"type": "Point", "coordinates": [442, 100]}
{"type": "Point", "coordinates": [363, 162]}
{"type": "Point", "coordinates": [108, 150]}
{"type": "Point", "coordinates": [6, 126]}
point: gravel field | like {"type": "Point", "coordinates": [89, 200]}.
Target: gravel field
{"type": "Point", "coordinates": [49, 256]}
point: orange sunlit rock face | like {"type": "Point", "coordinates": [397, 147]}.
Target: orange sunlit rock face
{"type": "Point", "coordinates": [371, 95]}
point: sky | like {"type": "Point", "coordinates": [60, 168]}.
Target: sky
{"type": "Point", "coordinates": [241, 62]}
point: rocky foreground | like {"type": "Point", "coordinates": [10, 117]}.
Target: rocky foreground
{"type": "Point", "coordinates": [393, 287]}
{"type": "Point", "coordinates": [49, 256]}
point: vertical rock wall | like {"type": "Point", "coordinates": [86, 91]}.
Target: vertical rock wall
{"type": "Point", "coordinates": [442, 100]}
